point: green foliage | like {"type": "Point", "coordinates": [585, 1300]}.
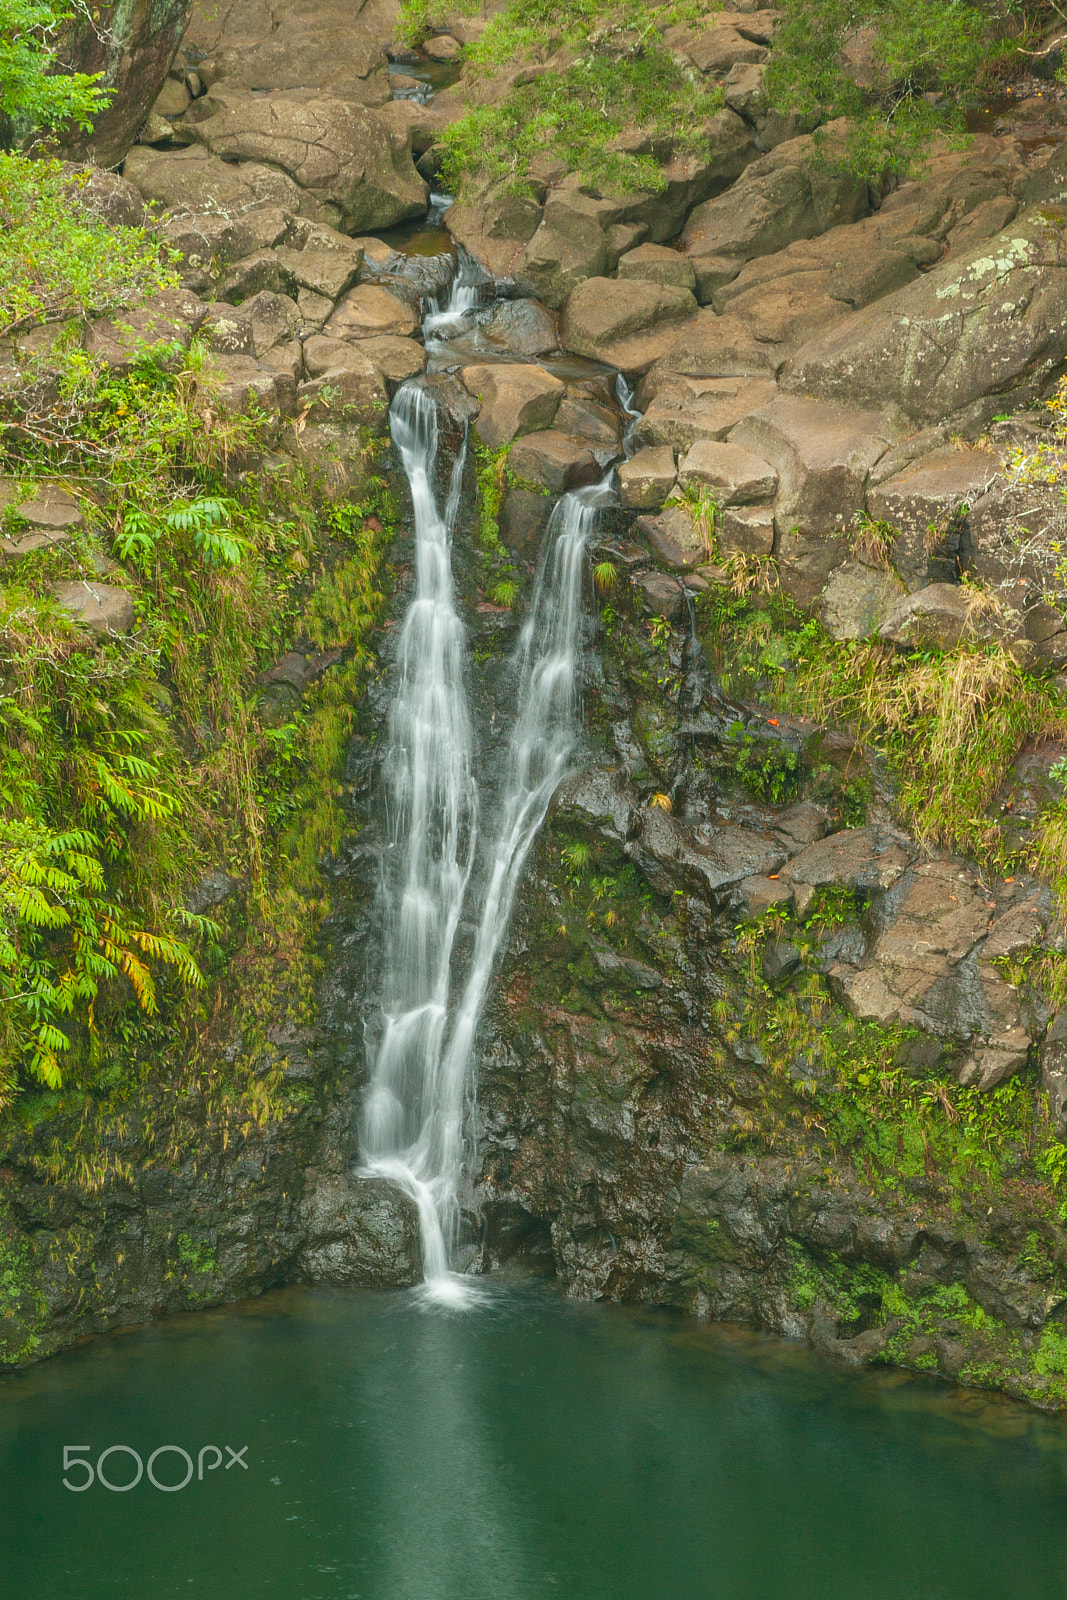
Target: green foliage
{"type": "Point", "coordinates": [56, 260]}
{"type": "Point", "coordinates": [768, 769]}
{"type": "Point", "coordinates": [950, 725]}
{"type": "Point", "coordinates": [419, 18]}
{"type": "Point", "coordinates": [499, 571]}
{"type": "Point", "coordinates": [619, 77]}
{"type": "Point", "coordinates": [1051, 1354]}
{"type": "Point", "coordinates": [31, 92]}
{"type": "Point", "coordinates": [129, 767]}
{"type": "Point", "coordinates": [921, 64]}
{"type": "Point", "coordinates": [197, 1257]}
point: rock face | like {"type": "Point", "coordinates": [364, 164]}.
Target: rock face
{"type": "Point", "coordinates": [986, 329]}
{"type": "Point", "coordinates": [132, 46]}
{"type": "Point", "coordinates": [315, 44]}
{"type": "Point", "coordinates": [335, 150]}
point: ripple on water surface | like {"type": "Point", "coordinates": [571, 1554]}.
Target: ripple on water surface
{"type": "Point", "coordinates": [529, 1447]}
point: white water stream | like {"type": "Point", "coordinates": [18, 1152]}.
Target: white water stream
{"type": "Point", "coordinates": [421, 1079]}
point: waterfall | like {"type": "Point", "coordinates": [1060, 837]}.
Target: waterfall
{"type": "Point", "coordinates": [421, 1078]}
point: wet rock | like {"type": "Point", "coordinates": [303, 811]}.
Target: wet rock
{"type": "Point", "coordinates": [360, 1231]}
{"type": "Point", "coordinates": [710, 860]}
{"type": "Point", "coordinates": [647, 479]}
{"type": "Point", "coordinates": [525, 326]}
{"type": "Point", "coordinates": [936, 618]}
{"type": "Point", "coordinates": [1054, 1072]}
{"type": "Point", "coordinates": [734, 475]}
{"type": "Point", "coordinates": [659, 595]}
{"type": "Point", "coordinates": [101, 607]}
{"type": "Point", "coordinates": [523, 519]}
{"type": "Point", "coordinates": [857, 600]}
{"type": "Point", "coordinates": [758, 895]}
{"type": "Point", "coordinates": [514, 400]}
{"type": "Point", "coordinates": [780, 960]}
{"type": "Point", "coordinates": [622, 971]}
{"type": "Point", "coordinates": [858, 858]}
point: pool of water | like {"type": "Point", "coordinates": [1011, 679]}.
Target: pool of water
{"type": "Point", "coordinates": [530, 1448]}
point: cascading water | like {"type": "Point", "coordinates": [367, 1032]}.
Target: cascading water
{"type": "Point", "coordinates": [432, 808]}
{"type": "Point", "coordinates": [421, 1079]}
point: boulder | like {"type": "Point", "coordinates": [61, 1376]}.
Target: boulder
{"type": "Point", "coordinates": [688, 409]}
{"type": "Point", "coordinates": [857, 600]}
{"type": "Point", "coordinates": [243, 385]}
{"type": "Point", "coordinates": [514, 400]}
{"type": "Point", "coordinates": [647, 479]}
{"type": "Point", "coordinates": [105, 196]}
{"type": "Point", "coordinates": [990, 323]}
{"type": "Point", "coordinates": [675, 537]}
{"type": "Point", "coordinates": [858, 858]}
{"type": "Point", "coordinates": [524, 326]}
{"type": "Point", "coordinates": [932, 494]}
{"type": "Point", "coordinates": [823, 455]}
{"type": "Point", "coordinates": [368, 312]}
{"type": "Point", "coordinates": [585, 418]}
{"type": "Point", "coordinates": [101, 607]}
{"type": "Point", "coordinates": [193, 181]}
{"type": "Point", "coordinates": [48, 517]}
{"type": "Point", "coordinates": [312, 44]}
{"type": "Point", "coordinates": [552, 461]}
{"type": "Point", "coordinates": [709, 346]}
{"type": "Point", "coordinates": [496, 228]}
{"type": "Point", "coordinates": [780, 198]}
{"type": "Point", "coordinates": [131, 46]}
{"type": "Point", "coordinates": [274, 319]}
{"type": "Point", "coordinates": [1054, 1072]}
{"type": "Point", "coordinates": [603, 315]}
{"type": "Point", "coordinates": [360, 1230]}
{"type": "Point", "coordinates": [397, 359]}
{"type": "Point", "coordinates": [335, 150]}
{"type": "Point", "coordinates": [569, 245]}
{"type": "Point", "coordinates": [654, 263]}
{"type": "Point", "coordinates": [345, 385]}
{"type": "Point", "coordinates": [227, 330]}
{"type": "Point", "coordinates": [325, 272]}
{"type": "Point", "coordinates": [659, 595]}
{"type": "Point", "coordinates": [168, 319]}
{"type": "Point", "coordinates": [936, 618]}
{"type": "Point", "coordinates": [745, 530]}
{"type": "Point", "coordinates": [711, 860]}
{"type": "Point", "coordinates": [735, 476]}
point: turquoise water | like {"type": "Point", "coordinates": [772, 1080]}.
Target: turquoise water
{"type": "Point", "coordinates": [530, 1448]}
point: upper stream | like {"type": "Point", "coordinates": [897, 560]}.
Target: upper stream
{"type": "Point", "coordinates": [534, 1448]}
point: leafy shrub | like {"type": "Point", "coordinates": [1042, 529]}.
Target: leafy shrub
{"type": "Point", "coordinates": [32, 93]}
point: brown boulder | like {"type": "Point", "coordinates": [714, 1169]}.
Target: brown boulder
{"type": "Point", "coordinates": [514, 400]}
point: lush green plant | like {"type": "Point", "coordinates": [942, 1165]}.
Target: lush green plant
{"type": "Point", "coordinates": [58, 261]}
{"type": "Point", "coordinates": [31, 91]}
{"type": "Point", "coordinates": [918, 66]}
{"type": "Point", "coordinates": [620, 76]}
